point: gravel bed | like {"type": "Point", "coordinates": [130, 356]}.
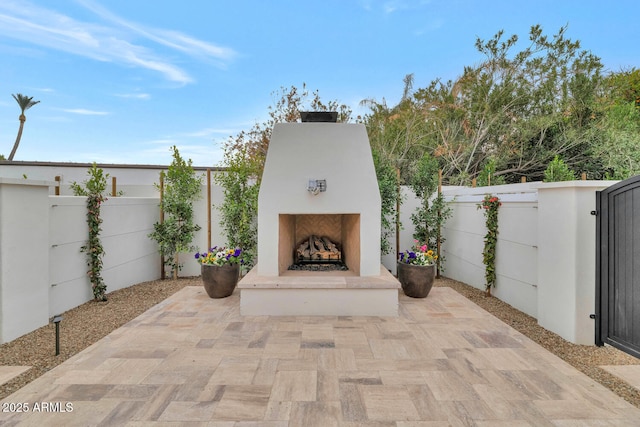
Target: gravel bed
{"type": "Point", "coordinates": [86, 324]}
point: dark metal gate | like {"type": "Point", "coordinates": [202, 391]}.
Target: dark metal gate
{"type": "Point", "coordinates": [618, 266]}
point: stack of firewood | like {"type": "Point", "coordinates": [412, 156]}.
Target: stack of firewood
{"type": "Point", "coordinates": [317, 249]}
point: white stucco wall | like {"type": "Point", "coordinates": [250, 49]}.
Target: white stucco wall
{"type": "Point", "coordinates": [24, 256]}
{"type": "Point", "coordinates": [130, 256]}
{"type": "Point", "coordinates": [567, 258]}
{"type": "Point", "coordinates": [545, 260]}
{"type": "Point", "coordinates": [43, 272]}
{"type": "Point", "coordinates": [516, 252]}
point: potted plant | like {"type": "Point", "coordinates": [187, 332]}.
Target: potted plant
{"type": "Point", "coordinates": [220, 269]}
{"type": "Point", "coordinates": [417, 270]}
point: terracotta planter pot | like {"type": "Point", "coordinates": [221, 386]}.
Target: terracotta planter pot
{"type": "Point", "coordinates": [220, 281]}
{"type": "Point", "coordinates": [416, 280]}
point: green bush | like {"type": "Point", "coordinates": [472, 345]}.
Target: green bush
{"type": "Point", "coordinates": [558, 171]}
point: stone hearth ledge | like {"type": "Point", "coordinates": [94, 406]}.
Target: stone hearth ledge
{"type": "Point", "coordinates": [314, 293]}
{"type": "Point", "coordinates": [293, 279]}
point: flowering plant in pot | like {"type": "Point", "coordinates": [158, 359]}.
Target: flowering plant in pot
{"type": "Point", "coordinates": [220, 267]}
{"type": "Point", "coordinates": [416, 270]}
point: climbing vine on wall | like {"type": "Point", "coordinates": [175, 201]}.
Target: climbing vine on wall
{"type": "Point", "coordinates": [93, 189]}
{"type": "Point", "coordinates": [490, 204]}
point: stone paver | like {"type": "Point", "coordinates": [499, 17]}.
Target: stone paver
{"type": "Point", "coordinates": [193, 360]}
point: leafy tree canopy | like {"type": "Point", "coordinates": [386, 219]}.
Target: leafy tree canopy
{"type": "Point", "coordinates": [510, 115]}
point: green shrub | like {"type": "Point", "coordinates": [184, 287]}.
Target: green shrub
{"type": "Point", "coordinates": [558, 171]}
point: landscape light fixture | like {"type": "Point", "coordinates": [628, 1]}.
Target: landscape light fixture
{"type": "Point", "coordinates": [56, 320]}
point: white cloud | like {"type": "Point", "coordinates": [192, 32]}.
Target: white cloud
{"type": "Point", "coordinates": [133, 95]}
{"type": "Point", "coordinates": [210, 132]}
{"type": "Point", "coordinates": [117, 41]}
{"type": "Point", "coordinates": [43, 89]}
{"type": "Point", "coordinates": [85, 112]}
{"type": "Point", "coordinates": [390, 7]}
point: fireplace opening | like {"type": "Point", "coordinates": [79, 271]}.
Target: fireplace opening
{"type": "Point", "coordinates": [319, 242]}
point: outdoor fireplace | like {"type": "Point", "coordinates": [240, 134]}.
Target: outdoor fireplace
{"type": "Point", "coordinates": [347, 211]}
{"type": "Point", "coordinates": [319, 186]}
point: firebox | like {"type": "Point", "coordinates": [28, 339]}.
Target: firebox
{"type": "Point", "coordinates": [343, 230]}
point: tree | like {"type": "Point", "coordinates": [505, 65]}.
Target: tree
{"type": "Point", "coordinates": [399, 134]}
{"type": "Point", "coordinates": [433, 211]}
{"type": "Point", "coordinates": [175, 234]}
{"type": "Point", "coordinates": [388, 185]}
{"type": "Point", "coordinates": [618, 143]}
{"type": "Point", "coordinates": [240, 205]}
{"type": "Point", "coordinates": [520, 109]}
{"type": "Point", "coordinates": [25, 102]}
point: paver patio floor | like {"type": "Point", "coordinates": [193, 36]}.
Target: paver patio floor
{"type": "Point", "coordinates": [192, 360]}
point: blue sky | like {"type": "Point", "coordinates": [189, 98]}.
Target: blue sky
{"type": "Point", "coordinates": [122, 81]}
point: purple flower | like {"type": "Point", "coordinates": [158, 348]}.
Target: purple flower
{"type": "Point", "coordinates": [197, 255]}
{"type": "Point", "coordinates": [412, 255]}
{"type": "Point", "coordinates": [237, 252]}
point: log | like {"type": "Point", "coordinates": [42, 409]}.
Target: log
{"type": "Point", "coordinates": [318, 249]}
{"type": "Point", "coordinates": [331, 247]}
{"type": "Point", "coordinates": [312, 245]}
{"type": "Point", "coordinates": [318, 243]}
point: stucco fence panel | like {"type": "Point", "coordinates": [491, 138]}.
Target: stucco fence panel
{"type": "Point", "coordinates": [130, 256]}
{"type": "Point", "coordinates": [545, 259]}
{"type": "Point", "coordinates": [516, 250]}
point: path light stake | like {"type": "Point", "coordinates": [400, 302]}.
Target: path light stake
{"type": "Point", "coordinates": [56, 320]}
